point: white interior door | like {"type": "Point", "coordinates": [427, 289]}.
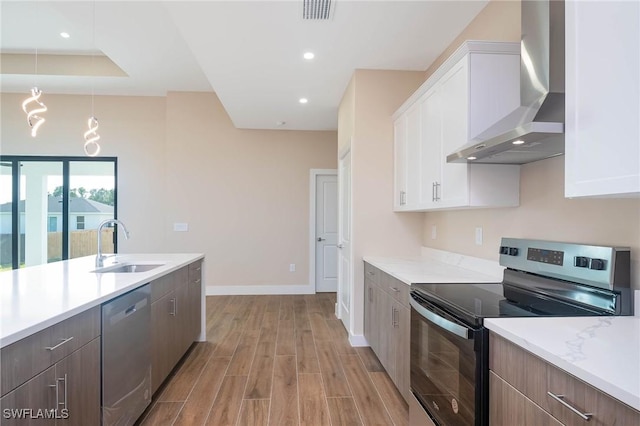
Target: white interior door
{"type": "Point", "coordinates": [344, 240]}
{"type": "Point", "coordinates": [326, 233]}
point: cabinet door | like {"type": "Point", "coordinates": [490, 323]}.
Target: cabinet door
{"type": "Point", "coordinates": [386, 351]}
{"type": "Point", "coordinates": [195, 300]}
{"type": "Point", "coordinates": [371, 326]}
{"type": "Point", "coordinates": [78, 378]}
{"type": "Point", "coordinates": [453, 188]}
{"type": "Point", "coordinates": [402, 338]}
{"type": "Point", "coordinates": [602, 136]}
{"type": "Point", "coordinates": [431, 153]}
{"type": "Point", "coordinates": [400, 163]}
{"type": "Point", "coordinates": [162, 337]}
{"type": "Point", "coordinates": [413, 149]}
{"type": "Point", "coordinates": [182, 322]}
{"type": "Point", "coordinates": [36, 397]}
{"type": "Point", "coordinates": [509, 407]}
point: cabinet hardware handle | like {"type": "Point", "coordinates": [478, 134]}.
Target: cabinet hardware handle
{"type": "Point", "coordinates": [198, 269]}
{"type": "Point", "coordinates": [370, 294]}
{"type": "Point", "coordinates": [395, 289]}
{"type": "Point", "coordinates": [319, 239]}
{"type": "Point", "coordinates": [433, 191]}
{"type": "Point", "coordinates": [197, 281]}
{"type": "Point", "coordinates": [63, 379]}
{"type": "Point", "coordinates": [57, 394]}
{"type": "Point", "coordinates": [560, 399]}
{"type": "Point", "coordinates": [395, 322]}
{"type": "Point", "coordinates": [68, 339]}
{"type": "Point", "coordinates": [174, 307]}
{"type": "Point", "coordinates": [437, 185]}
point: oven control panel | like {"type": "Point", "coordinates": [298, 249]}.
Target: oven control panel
{"type": "Point", "coordinates": [554, 257]}
{"type": "Point", "coordinates": [598, 266]}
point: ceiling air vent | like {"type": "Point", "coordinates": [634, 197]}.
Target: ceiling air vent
{"type": "Point", "coordinates": [316, 9]}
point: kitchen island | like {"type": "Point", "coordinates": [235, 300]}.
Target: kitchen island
{"type": "Point", "coordinates": [60, 323]}
{"type": "Point", "coordinates": [34, 298]}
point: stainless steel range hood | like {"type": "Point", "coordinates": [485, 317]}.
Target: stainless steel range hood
{"type": "Point", "coordinates": [534, 131]}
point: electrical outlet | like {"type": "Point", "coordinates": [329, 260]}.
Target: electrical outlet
{"type": "Point", "coordinates": [292, 267]}
{"type": "Point", "coordinates": [479, 236]}
{"type": "Point", "coordinates": [434, 232]}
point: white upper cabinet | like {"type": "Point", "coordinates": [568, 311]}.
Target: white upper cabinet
{"type": "Point", "coordinates": [474, 88]}
{"type": "Point", "coordinates": [602, 129]}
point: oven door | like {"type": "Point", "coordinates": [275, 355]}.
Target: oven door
{"type": "Point", "coordinates": [449, 365]}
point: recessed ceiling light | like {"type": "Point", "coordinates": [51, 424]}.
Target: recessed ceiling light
{"type": "Point", "coordinates": [303, 100]}
{"type": "Point", "coordinates": [64, 35]}
{"type": "Point", "coordinates": [518, 142]}
{"type": "Point", "coordinates": [471, 158]}
{"type": "Point", "coordinates": [308, 56]}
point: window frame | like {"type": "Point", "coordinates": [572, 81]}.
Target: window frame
{"type": "Point", "coordinates": [15, 161]}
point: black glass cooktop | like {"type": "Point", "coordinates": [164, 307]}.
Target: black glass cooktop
{"type": "Point", "coordinates": [474, 302]}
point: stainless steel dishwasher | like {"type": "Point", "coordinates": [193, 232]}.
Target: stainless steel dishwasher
{"type": "Point", "coordinates": [126, 357]}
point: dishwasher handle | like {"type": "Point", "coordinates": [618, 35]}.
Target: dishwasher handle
{"type": "Point", "coordinates": [130, 310]}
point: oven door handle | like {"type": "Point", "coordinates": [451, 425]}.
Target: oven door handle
{"type": "Point", "coordinates": [436, 319]}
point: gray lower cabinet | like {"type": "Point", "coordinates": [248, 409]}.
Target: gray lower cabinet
{"type": "Point", "coordinates": [522, 386]}
{"type": "Point", "coordinates": [63, 386]}
{"type": "Point", "coordinates": [386, 325]}
{"type": "Point", "coordinates": [175, 319]}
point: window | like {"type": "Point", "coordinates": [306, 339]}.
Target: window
{"type": "Point", "coordinates": [50, 208]}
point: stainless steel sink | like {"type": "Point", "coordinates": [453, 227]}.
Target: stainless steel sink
{"type": "Point", "coordinates": [128, 268]}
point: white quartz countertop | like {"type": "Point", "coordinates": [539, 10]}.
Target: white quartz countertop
{"type": "Point", "coordinates": [437, 266]}
{"type": "Point", "coordinates": [34, 298]}
{"type": "Point", "coordinates": [601, 351]}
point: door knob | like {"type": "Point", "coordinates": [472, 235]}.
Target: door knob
{"type": "Point", "coordinates": [320, 239]}
{"type": "Point", "coordinates": [340, 246]}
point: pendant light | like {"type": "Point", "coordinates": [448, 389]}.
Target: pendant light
{"type": "Point", "coordinates": [33, 106]}
{"type": "Point", "coordinates": [91, 136]}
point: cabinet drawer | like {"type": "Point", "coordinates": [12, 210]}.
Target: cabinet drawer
{"type": "Point", "coordinates": [38, 393]}
{"type": "Point", "coordinates": [396, 288]}
{"type": "Point", "coordinates": [163, 285]}
{"type": "Point", "coordinates": [535, 378]}
{"type": "Point", "coordinates": [25, 358]}
{"type": "Point", "coordinates": [372, 273]}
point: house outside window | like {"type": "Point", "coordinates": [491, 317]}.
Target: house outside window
{"type": "Point", "coordinates": [53, 224]}
{"type": "Point", "coordinates": [80, 222]}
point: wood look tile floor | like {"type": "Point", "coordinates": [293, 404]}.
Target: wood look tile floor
{"type": "Point", "coordinates": [276, 360]}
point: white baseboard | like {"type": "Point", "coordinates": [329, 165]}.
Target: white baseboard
{"type": "Point", "coordinates": [358, 340]}
{"type": "Point", "coordinates": [233, 290]}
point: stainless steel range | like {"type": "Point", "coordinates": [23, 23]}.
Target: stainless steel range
{"type": "Point", "coordinates": [449, 344]}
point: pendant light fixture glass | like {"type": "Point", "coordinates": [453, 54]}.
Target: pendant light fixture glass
{"type": "Point", "coordinates": [33, 106]}
{"type": "Point", "coordinates": [91, 136]}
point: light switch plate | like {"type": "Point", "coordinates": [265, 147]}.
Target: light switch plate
{"type": "Point", "coordinates": [479, 236]}
{"type": "Point", "coordinates": [181, 227]}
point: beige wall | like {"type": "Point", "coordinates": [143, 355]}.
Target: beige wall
{"type": "Point", "coordinates": [498, 21]}
{"type": "Point", "coordinates": [365, 119]}
{"type": "Point", "coordinates": [244, 193]}
{"type": "Point", "coordinates": [131, 128]}
{"type": "Point", "coordinates": [544, 213]}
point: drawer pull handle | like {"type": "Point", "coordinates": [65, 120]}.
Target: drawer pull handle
{"type": "Point", "coordinates": [50, 348]}
{"type": "Point", "coordinates": [395, 289]}
{"type": "Point", "coordinates": [560, 399]}
{"type": "Point", "coordinates": [371, 273]}
{"type": "Point", "coordinates": [197, 281]}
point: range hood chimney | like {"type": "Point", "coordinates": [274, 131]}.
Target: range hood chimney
{"type": "Point", "coordinates": [534, 131]}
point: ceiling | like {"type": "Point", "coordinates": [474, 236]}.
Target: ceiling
{"type": "Point", "coordinates": [249, 53]}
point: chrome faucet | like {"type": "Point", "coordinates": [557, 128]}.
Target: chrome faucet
{"type": "Point", "coordinates": [101, 257]}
